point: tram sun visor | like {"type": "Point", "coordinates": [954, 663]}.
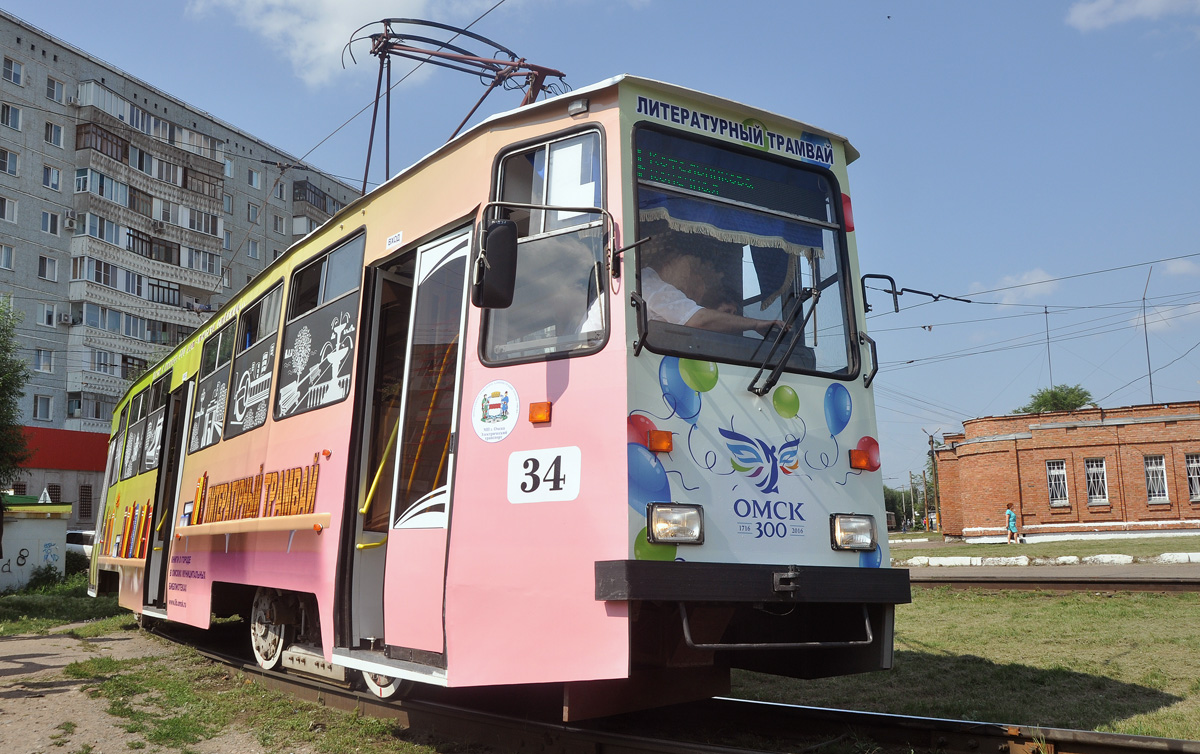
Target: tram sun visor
{"type": "Point", "coordinates": [495, 274]}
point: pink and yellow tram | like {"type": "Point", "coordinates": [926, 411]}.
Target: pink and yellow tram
{"type": "Point", "coordinates": [580, 400]}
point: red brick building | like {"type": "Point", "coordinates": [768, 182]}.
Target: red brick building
{"type": "Point", "coordinates": [1130, 469]}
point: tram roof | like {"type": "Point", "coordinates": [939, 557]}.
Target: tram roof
{"type": "Point", "coordinates": [852, 154]}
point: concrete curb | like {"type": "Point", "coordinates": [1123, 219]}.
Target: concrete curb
{"type": "Point", "coordinates": [1169, 558]}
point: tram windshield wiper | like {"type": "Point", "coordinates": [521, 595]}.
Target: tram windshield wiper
{"type": "Point", "coordinates": [796, 335]}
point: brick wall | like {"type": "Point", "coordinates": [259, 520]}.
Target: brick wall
{"type": "Point", "coordinates": [1001, 460]}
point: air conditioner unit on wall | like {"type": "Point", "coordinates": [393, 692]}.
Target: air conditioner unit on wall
{"type": "Point", "coordinates": [157, 226]}
{"type": "Point", "coordinates": [69, 223]}
{"type": "Point", "coordinates": [64, 318]}
{"type": "Point", "coordinates": [72, 101]}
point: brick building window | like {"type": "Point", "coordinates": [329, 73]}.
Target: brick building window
{"type": "Point", "coordinates": [55, 491]}
{"type": "Point", "coordinates": [85, 502]}
{"type": "Point", "coordinates": [20, 488]}
{"type": "Point", "coordinates": [1056, 481]}
{"type": "Point", "coordinates": [1193, 474]}
{"type": "Point", "coordinates": [1097, 481]}
{"type": "Point", "coordinates": [1156, 479]}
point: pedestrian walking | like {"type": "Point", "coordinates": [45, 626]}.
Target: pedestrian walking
{"type": "Point", "coordinates": [1012, 524]}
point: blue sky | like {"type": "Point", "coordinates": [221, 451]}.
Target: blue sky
{"type": "Point", "coordinates": [1007, 150]}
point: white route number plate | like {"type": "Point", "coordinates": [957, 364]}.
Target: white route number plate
{"type": "Point", "coordinates": [544, 476]}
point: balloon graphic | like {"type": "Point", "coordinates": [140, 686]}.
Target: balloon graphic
{"type": "Point", "coordinates": [644, 550]}
{"type": "Point", "coordinates": [872, 559]}
{"type": "Point", "coordinates": [680, 397]}
{"type": "Point", "coordinates": [871, 447]}
{"type": "Point", "coordinates": [647, 479]}
{"type": "Point", "coordinates": [837, 408]}
{"type": "Point", "coordinates": [786, 402]}
{"type": "Point", "coordinates": [700, 376]}
{"type": "Point", "coordinates": [638, 428]}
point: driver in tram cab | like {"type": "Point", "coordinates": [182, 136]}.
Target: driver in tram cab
{"type": "Point", "coordinates": [672, 284]}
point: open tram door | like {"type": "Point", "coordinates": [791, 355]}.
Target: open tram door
{"type": "Point", "coordinates": [170, 449]}
{"type": "Point", "coordinates": [398, 558]}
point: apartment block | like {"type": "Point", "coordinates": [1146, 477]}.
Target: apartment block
{"type": "Point", "coordinates": [127, 217]}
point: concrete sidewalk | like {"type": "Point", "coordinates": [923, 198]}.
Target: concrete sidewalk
{"type": "Point", "coordinates": [922, 561]}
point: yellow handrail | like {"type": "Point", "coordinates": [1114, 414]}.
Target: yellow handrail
{"type": "Point", "coordinates": [379, 472]}
{"type": "Point", "coordinates": [371, 545]}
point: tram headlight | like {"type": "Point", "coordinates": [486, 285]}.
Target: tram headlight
{"type": "Point", "coordinates": [672, 523]}
{"type": "Point", "coordinates": [848, 531]}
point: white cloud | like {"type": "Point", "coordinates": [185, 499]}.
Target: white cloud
{"type": "Point", "coordinates": [1182, 267]}
{"type": "Point", "coordinates": [1092, 15]}
{"type": "Point", "coordinates": [1020, 288]}
{"type": "Point", "coordinates": [311, 34]}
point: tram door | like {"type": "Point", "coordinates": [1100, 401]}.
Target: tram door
{"type": "Point", "coordinates": [176, 411]}
{"type": "Point", "coordinates": [415, 385]}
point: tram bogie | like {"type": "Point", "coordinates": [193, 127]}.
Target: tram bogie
{"type": "Point", "coordinates": [579, 402]}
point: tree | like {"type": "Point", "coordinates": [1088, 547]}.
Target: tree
{"type": "Point", "coordinates": [14, 371]}
{"type": "Point", "coordinates": [1060, 398]}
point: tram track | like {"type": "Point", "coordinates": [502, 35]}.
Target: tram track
{"type": "Point", "coordinates": [714, 726]}
{"type": "Point", "coordinates": [1052, 583]}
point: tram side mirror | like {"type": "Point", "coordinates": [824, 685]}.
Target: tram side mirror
{"type": "Point", "coordinates": [496, 267]}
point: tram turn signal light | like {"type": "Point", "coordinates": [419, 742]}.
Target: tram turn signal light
{"type": "Point", "coordinates": [860, 459]}
{"type": "Point", "coordinates": [539, 413]}
{"type": "Point", "coordinates": [660, 440]}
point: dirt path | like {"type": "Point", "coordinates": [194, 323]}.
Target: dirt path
{"type": "Point", "coordinates": [44, 712]}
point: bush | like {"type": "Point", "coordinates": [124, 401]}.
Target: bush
{"type": "Point", "coordinates": [43, 577]}
{"type": "Point", "coordinates": [77, 562]}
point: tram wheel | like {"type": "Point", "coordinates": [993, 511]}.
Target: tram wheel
{"type": "Point", "coordinates": [383, 686]}
{"type": "Point", "coordinates": [268, 638]}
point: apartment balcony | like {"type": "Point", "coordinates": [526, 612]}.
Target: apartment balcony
{"type": "Point", "coordinates": [185, 277]}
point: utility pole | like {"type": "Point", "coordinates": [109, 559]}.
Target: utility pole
{"type": "Point", "coordinates": [1146, 333]}
{"type": "Point", "coordinates": [1046, 312]}
{"type": "Point", "coordinates": [937, 494]}
{"type": "Point", "coordinates": [925, 490]}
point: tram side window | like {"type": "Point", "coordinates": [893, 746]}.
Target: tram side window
{"type": "Point", "coordinates": [254, 364]}
{"type": "Point", "coordinates": [157, 407]}
{"type": "Point", "coordinates": [558, 305]}
{"type": "Point", "coordinates": [132, 463]}
{"type": "Point", "coordinates": [118, 445]}
{"type": "Point", "coordinates": [208, 417]}
{"type": "Point", "coordinates": [319, 337]}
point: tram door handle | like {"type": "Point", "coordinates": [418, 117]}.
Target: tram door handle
{"type": "Point", "coordinates": [864, 339]}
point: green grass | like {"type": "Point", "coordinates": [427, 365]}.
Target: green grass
{"type": "Point", "coordinates": [1126, 663]}
{"type": "Point", "coordinates": [48, 605]}
{"type": "Point", "coordinates": [1137, 547]}
{"type": "Point", "coordinates": [182, 699]}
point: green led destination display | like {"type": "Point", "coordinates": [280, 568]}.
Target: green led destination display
{"type": "Point", "coordinates": [704, 169]}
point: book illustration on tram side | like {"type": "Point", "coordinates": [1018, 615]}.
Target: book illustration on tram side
{"type": "Point", "coordinates": [153, 444]}
{"type": "Point", "coordinates": [328, 380]}
{"type": "Point", "coordinates": [209, 418]}
{"type": "Point", "coordinates": [133, 451]}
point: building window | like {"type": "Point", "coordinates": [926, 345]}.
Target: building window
{"type": "Point", "coordinates": [252, 249]}
{"type": "Point", "coordinates": [228, 168]}
{"type": "Point", "coordinates": [102, 362]}
{"type": "Point", "coordinates": [46, 315]}
{"type": "Point", "coordinates": [20, 488]}
{"type": "Point", "coordinates": [51, 177]}
{"type": "Point", "coordinates": [47, 267]}
{"type": "Point", "coordinates": [141, 202]}
{"type": "Point", "coordinates": [43, 360]}
{"type": "Point", "coordinates": [252, 212]}
{"type": "Point", "coordinates": [6, 257]}
{"type": "Point", "coordinates": [1097, 481]}
{"type": "Point", "coordinates": [12, 71]}
{"type": "Point", "coordinates": [85, 502]}
{"type": "Point", "coordinates": [91, 136]}
{"type": "Point", "coordinates": [1056, 480]}
{"type": "Point", "coordinates": [54, 90]}
{"type": "Point", "coordinates": [55, 492]}
{"type": "Point", "coordinates": [42, 406]}
{"type": "Point", "coordinates": [1156, 479]}
{"type": "Point", "coordinates": [227, 278]}
{"type": "Point", "coordinates": [8, 162]}
{"type": "Point", "coordinates": [50, 225]}
{"type": "Point", "coordinates": [1193, 476]}
{"type": "Point", "coordinates": [279, 188]}
{"type": "Point", "coordinates": [203, 222]}
{"type": "Point", "coordinates": [10, 115]}
{"type": "Point", "coordinates": [254, 178]}
{"type": "Point", "coordinates": [202, 184]}
{"type": "Point", "coordinates": [227, 204]}
{"type": "Point", "coordinates": [277, 224]}
{"type": "Point", "coordinates": [227, 241]}
{"type": "Point", "coordinates": [8, 209]}
{"type": "Point", "coordinates": [54, 134]}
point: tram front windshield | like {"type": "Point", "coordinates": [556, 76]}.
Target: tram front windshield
{"type": "Point", "coordinates": [739, 246]}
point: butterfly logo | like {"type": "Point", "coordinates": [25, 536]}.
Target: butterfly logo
{"type": "Point", "coordinates": [760, 460]}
